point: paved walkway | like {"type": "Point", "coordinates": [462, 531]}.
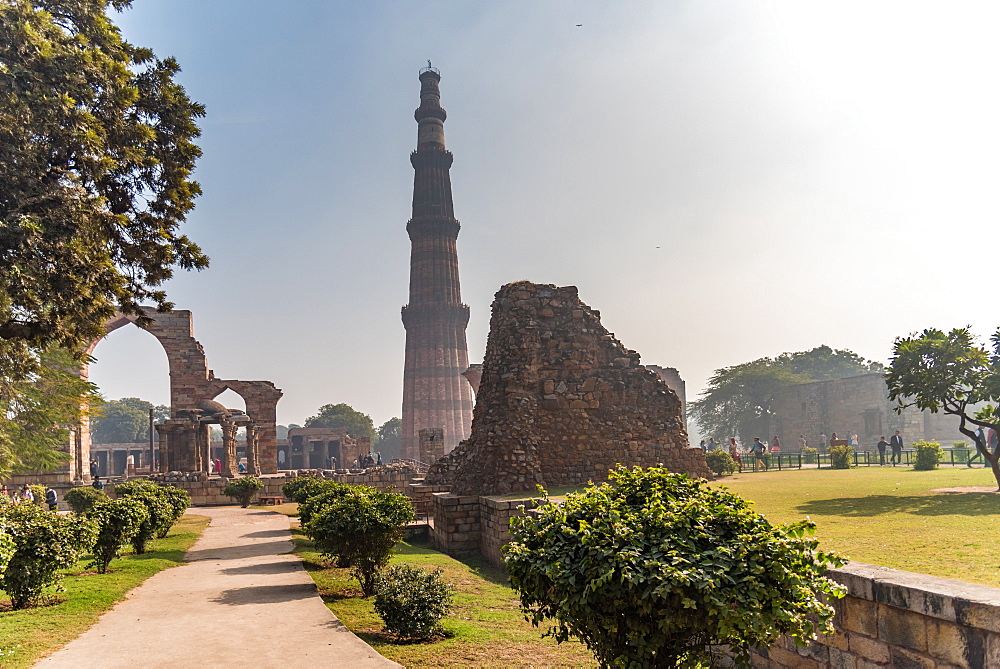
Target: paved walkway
{"type": "Point", "coordinates": [243, 600]}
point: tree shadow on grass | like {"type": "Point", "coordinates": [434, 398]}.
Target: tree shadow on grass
{"type": "Point", "coordinates": [942, 504]}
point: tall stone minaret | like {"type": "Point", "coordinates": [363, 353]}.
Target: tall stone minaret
{"type": "Point", "coordinates": [435, 394]}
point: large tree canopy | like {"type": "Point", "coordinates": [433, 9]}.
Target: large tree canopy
{"type": "Point", "coordinates": [36, 414]}
{"type": "Point", "coordinates": [738, 400]}
{"type": "Point", "coordinates": [96, 155]}
{"type": "Point", "coordinates": [390, 439]}
{"type": "Point", "coordinates": [953, 373]}
{"type": "Point", "coordinates": [344, 416]}
{"type": "Point", "coordinates": [125, 421]}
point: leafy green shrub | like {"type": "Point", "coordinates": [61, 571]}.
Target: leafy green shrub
{"type": "Point", "coordinates": [81, 499]}
{"type": "Point", "coordinates": [135, 485]}
{"type": "Point", "coordinates": [44, 543]}
{"type": "Point", "coordinates": [928, 455]}
{"type": "Point", "coordinates": [117, 522]}
{"type": "Point", "coordinates": [301, 488]}
{"type": "Point", "coordinates": [809, 455]}
{"type": "Point", "coordinates": [841, 456]}
{"type": "Point", "coordinates": [361, 528]}
{"type": "Point", "coordinates": [38, 492]}
{"type": "Point", "coordinates": [161, 516]}
{"type": "Point", "coordinates": [179, 501]}
{"type": "Point", "coordinates": [323, 495]}
{"type": "Point", "coordinates": [655, 569]}
{"type": "Point", "coordinates": [243, 489]}
{"type": "Point", "coordinates": [412, 602]}
{"type": "Point", "coordinates": [720, 462]}
{"type": "Point", "coordinates": [6, 542]}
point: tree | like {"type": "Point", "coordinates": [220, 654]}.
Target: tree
{"type": "Point", "coordinates": [125, 421]}
{"type": "Point", "coordinates": [738, 401]}
{"type": "Point", "coordinates": [343, 416]}
{"type": "Point", "coordinates": [37, 411]}
{"type": "Point", "coordinates": [96, 155]}
{"type": "Point", "coordinates": [390, 439]}
{"type": "Point", "coordinates": [654, 569]}
{"type": "Point", "coordinates": [950, 372]}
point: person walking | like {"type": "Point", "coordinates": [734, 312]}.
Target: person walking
{"type": "Point", "coordinates": [734, 453]}
{"type": "Point", "coordinates": [758, 449]}
{"type": "Point", "coordinates": [882, 443]}
{"type": "Point", "coordinates": [52, 499]}
{"type": "Point", "coordinates": [976, 453]}
{"type": "Point", "coordinates": [896, 444]}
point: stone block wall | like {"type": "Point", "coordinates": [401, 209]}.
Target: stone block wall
{"type": "Point", "coordinates": [561, 402]}
{"type": "Point", "coordinates": [456, 529]}
{"type": "Point", "coordinates": [431, 444]}
{"type": "Point", "coordinates": [854, 404]}
{"type": "Point", "coordinates": [494, 519]}
{"type": "Point", "coordinates": [893, 618]}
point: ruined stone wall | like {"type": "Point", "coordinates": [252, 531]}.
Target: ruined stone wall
{"type": "Point", "coordinates": [672, 377]}
{"type": "Point", "coordinates": [854, 404]}
{"type": "Point", "coordinates": [562, 402]}
{"type": "Point", "coordinates": [893, 618]}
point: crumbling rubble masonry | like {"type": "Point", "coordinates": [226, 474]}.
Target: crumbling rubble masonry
{"type": "Point", "coordinates": [562, 402]}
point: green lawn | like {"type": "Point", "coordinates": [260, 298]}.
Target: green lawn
{"type": "Point", "coordinates": [485, 628]}
{"type": "Point", "coordinates": [889, 515]}
{"type": "Point", "coordinates": [30, 634]}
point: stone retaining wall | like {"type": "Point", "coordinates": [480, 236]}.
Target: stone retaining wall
{"type": "Point", "coordinates": [893, 618]}
{"type": "Point", "coordinates": [456, 529]}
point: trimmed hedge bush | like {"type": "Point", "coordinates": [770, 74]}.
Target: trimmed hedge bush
{"type": "Point", "coordinates": [179, 500]}
{"type": "Point", "coordinates": [654, 569]}
{"type": "Point", "coordinates": [361, 528]}
{"type": "Point", "coordinates": [161, 515]}
{"type": "Point", "coordinates": [83, 498]}
{"type": "Point", "coordinates": [840, 456]}
{"type": "Point", "coordinates": [412, 602]}
{"type": "Point", "coordinates": [809, 455]}
{"type": "Point", "coordinates": [243, 489]}
{"type": "Point", "coordinates": [322, 496]}
{"type": "Point", "coordinates": [928, 455]}
{"type": "Point", "coordinates": [301, 488]}
{"type": "Point", "coordinates": [44, 543]}
{"type": "Point", "coordinates": [117, 522]}
{"type": "Point", "coordinates": [720, 462]}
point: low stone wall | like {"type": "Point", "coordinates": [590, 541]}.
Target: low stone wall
{"type": "Point", "coordinates": [893, 618]}
{"type": "Point", "coordinates": [423, 495]}
{"type": "Point", "coordinates": [456, 529]}
{"type": "Point", "coordinates": [494, 519]}
{"type": "Point", "coordinates": [391, 477]}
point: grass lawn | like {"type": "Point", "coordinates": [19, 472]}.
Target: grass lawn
{"type": "Point", "coordinates": [30, 634]}
{"type": "Point", "coordinates": [889, 515]}
{"type": "Point", "coordinates": [486, 628]}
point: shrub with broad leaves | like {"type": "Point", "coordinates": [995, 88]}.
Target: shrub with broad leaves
{"type": "Point", "coordinates": [117, 522]}
{"type": "Point", "coordinates": [179, 501]}
{"type": "Point", "coordinates": [322, 496]}
{"type": "Point", "coordinates": [44, 543]}
{"type": "Point", "coordinates": [841, 456]}
{"type": "Point", "coordinates": [657, 569]}
{"type": "Point", "coordinates": [159, 520]}
{"type": "Point", "coordinates": [243, 489]}
{"type": "Point", "coordinates": [411, 601]}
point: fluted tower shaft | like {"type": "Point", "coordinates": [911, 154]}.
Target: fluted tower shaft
{"type": "Point", "coordinates": [435, 394]}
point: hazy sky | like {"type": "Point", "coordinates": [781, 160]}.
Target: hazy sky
{"type": "Point", "coordinates": [722, 180]}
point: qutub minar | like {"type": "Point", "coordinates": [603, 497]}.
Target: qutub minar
{"type": "Point", "coordinates": [435, 394]}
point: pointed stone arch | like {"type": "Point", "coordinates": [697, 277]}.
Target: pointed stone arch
{"type": "Point", "coordinates": [191, 382]}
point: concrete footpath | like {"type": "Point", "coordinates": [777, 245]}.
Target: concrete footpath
{"type": "Point", "coordinates": [242, 600]}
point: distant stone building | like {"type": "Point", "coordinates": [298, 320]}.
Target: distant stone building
{"type": "Point", "coordinates": [562, 402]}
{"type": "Point", "coordinates": [313, 448]}
{"type": "Point", "coordinates": [435, 395]}
{"type": "Point", "coordinates": [854, 404]}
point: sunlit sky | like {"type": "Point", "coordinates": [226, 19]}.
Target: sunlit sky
{"type": "Point", "coordinates": [722, 180]}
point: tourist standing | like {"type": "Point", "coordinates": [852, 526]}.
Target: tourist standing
{"type": "Point", "coordinates": [855, 442]}
{"type": "Point", "coordinates": [97, 484]}
{"type": "Point", "coordinates": [94, 468]}
{"type": "Point", "coordinates": [52, 499]}
{"type": "Point", "coordinates": [702, 446]}
{"type": "Point", "coordinates": [802, 442]}
{"type": "Point", "coordinates": [822, 441]}
{"type": "Point", "coordinates": [757, 448]}
{"type": "Point", "coordinates": [129, 465]}
{"type": "Point", "coordinates": [775, 444]}
{"type": "Point", "coordinates": [882, 443]}
{"type": "Point", "coordinates": [712, 444]}
{"type": "Point", "coordinates": [26, 494]}
{"type": "Point", "coordinates": [379, 454]}
{"type": "Point", "coordinates": [896, 444]}
{"type": "Point", "coordinates": [4, 495]}
{"type": "Point", "coordinates": [734, 453]}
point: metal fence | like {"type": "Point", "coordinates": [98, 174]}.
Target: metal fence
{"type": "Point", "coordinates": [954, 457]}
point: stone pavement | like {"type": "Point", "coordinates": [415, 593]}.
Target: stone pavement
{"type": "Point", "coordinates": [242, 600]}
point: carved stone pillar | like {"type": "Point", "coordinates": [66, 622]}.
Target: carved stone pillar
{"type": "Point", "coordinates": [253, 467]}
{"type": "Point", "coordinates": [202, 447]}
{"type": "Point", "coordinates": [229, 448]}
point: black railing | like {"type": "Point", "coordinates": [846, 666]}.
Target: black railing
{"type": "Point", "coordinates": [952, 457]}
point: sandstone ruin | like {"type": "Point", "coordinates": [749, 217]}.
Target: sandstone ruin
{"type": "Point", "coordinates": [561, 402]}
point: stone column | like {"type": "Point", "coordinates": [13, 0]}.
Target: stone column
{"type": "Point", "coordinates": [253, 467]}
{"type": "Point", "coordinates": [228, 448]}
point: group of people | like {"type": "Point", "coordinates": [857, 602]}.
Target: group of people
{"type": "Point", "coordinates": [26, 495]}
{"type": "Point", "coordinates": [367, 460]}
{"type": "Point", "coordinates": [758, 449]}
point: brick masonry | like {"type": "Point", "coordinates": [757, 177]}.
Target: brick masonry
{"type": "Point", "coordinates": [561, 402]}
